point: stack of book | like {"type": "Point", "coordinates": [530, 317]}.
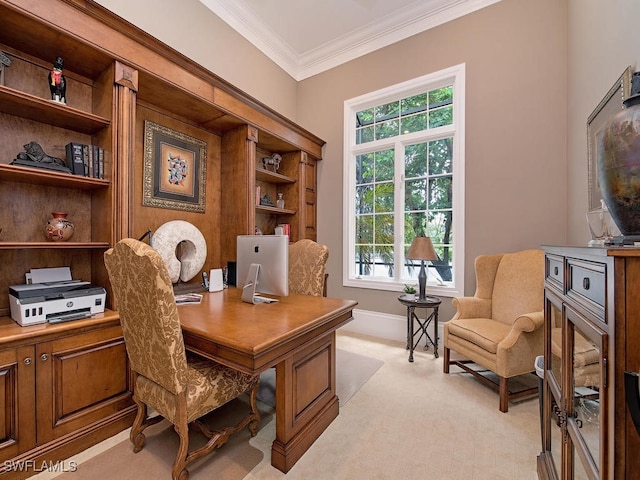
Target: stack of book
{"type": "Point", "coordinates": [85, 160]}
{"type": "Point", "coordinates": [286, 228]}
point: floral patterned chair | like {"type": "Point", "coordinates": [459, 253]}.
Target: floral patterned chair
{"type": "Point", "coordinates": [307, 261]}
{"type": "Point", "coordinates": [179, 386]}
{"type": "Point", "coordinates": [500, 328]}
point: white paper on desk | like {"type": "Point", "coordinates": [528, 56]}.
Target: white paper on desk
{"type": "Point", "coordinates": [43, 275]}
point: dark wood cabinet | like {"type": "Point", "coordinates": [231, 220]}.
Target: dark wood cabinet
{"type": "Point", "coordinates": [592, 324]}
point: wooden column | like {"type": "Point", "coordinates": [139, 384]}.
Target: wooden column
{"type": "Point", "coordinates": [126, 87]}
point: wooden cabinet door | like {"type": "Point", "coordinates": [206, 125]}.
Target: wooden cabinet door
{"type": "Point", "coordinates": [585, 392]}
{"type": "Point", "coordinates": [17, 401]}
{"type": "Point", "coordinates": [80, 380]}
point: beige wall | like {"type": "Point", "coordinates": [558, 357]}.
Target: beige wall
{"type": "Point", "coordinates": [604, 39]}
{"type": "Point", "coordinates": [193, 30]}
{"type": "Point", "coordinates": [515, 56]}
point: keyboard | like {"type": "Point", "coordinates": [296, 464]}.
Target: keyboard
{"type": "Point", "coordinates": [183, 288]}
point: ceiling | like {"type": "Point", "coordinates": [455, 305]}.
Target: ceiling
{"type": "Point", "coordinates": [307, 37]}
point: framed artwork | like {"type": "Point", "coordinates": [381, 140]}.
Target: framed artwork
{"type": "Point", "coordinates": [608, 106]}
{"type": "Point", "coordinates": [175, 168]}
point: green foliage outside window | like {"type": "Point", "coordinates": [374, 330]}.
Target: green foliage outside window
{"type": "Point", "coordinates": [428, 186]}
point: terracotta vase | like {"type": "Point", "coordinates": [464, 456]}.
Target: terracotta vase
{"type": "Point", "coordinates": [619, 167]}
{"type": "Point", "coordinates": [58, 228]}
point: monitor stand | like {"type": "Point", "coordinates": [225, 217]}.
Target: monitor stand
{"type": "Point", "coordinates": [249, 294]}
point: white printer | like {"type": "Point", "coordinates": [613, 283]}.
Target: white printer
{"type": "Point", "coordinates": [55, 302]}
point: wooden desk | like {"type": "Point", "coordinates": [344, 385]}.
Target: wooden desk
{"type": "Point", "coordinates": [297, 335]}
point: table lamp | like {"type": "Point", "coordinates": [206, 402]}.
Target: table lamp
{"type": "Point", "coordinates": [422, 249]}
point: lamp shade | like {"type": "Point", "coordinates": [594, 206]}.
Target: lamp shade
{"type": "Point", "coordinates": [422, 249]}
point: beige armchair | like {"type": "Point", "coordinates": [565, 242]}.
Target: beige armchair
{"type": "Point", "coordinates": [180, 386]}
{"type": "Point", "coordinates": [307, 260]}
{"type": "Point", "coordinates": [500, 328]}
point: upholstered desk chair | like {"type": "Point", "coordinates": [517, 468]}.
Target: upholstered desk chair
{"type": "Point", "coordinates": [179, 386]}
{"type": "Point", "coordinates": [501, 327]}
{"type": "Point", "coordinates": [307, 261]}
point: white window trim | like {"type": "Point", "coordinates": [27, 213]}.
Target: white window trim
{"type": "Point", "coordinates": [454, 75]}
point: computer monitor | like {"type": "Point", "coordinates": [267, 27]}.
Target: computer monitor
{"type": "Point", "coordinates": [262, 266]}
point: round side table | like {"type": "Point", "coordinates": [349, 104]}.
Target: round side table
{"type": "Point", "coordinates": [429, 303]}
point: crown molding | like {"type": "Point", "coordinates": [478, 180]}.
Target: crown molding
{"type": "Point", "coordinates": [390, 29]}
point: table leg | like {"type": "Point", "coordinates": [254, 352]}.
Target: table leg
{"type": "Point", "coordinates": [435, 332]}
{"type": "Point", "coordinates": [410, 314]}
{"type": "Point", "coordinates": [409, 339]}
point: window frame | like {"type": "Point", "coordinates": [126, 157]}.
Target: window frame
{"type": "Point", "coordinates": [450, 76]}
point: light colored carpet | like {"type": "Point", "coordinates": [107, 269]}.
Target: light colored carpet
{"type": "Point", "coordinates": [232, 461]}
{"type": "Point", "coordinates": [409, 421]}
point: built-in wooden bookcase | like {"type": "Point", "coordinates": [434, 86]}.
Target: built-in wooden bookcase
{"type": "Point", "coordinates": [27, 114]}
{"type": "Point", "coordinates": [243, 150]}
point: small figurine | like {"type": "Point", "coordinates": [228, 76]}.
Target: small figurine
{"type": "Point", "coordinates": [35, 156]}
{"type": "Point", "coordinates": [274, 161]}
{"type": "Point", "coordinates": [57, 82]}
{"type": "Point", "coordinates": [266, 200]}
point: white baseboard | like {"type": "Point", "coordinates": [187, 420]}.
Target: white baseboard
{"type": "Point", "coordinates": [382, 325]}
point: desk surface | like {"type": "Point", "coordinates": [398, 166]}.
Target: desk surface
{"type": "Point", "coordinates": [255, 337]}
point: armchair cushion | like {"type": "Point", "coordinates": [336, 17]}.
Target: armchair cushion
{"type": "Point", "coordinates": [484, 332]}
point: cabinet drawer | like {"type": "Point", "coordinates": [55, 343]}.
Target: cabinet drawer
{"type": "Point", "coordinates": [587, 285]}
{"type": "Point", "coordinates": [555, 271]}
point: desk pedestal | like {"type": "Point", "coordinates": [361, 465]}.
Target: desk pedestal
{"type": "Point", "coordinates": [306, 401]}
{"type": "Point", "coordinates": [297, 335]}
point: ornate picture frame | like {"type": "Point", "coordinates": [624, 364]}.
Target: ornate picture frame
{"type": "Point", "coordinates": [175, 169]}
{"type": "Point", "coordinates": [608, 106]}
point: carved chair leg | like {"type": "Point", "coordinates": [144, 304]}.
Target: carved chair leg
{"type": "Point", "coordinates": [217, 438]}
{"type": "Point", "coordinates": [504, 394]}
{"type": "Point", "coordinates": [139, 424]}
{"type": "Point", "coordinates": [446, 359]}
{"type": "Point", "coordinates": [178, 471]}
{"type": "Point", "coordinates": [136, 436]}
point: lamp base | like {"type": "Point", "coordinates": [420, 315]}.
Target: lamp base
{"type": "Point", "coordinates": [422, 282]}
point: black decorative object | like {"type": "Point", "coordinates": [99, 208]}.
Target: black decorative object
{"type": "Point", "coordinates": [34, 157]}
{"type": "Point", "coordinates": [266, 200]}
{"type": "Point", "coordinates": [57, 82]}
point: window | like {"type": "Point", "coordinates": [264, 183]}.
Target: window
{"type": "Point", "coordinates": [404, 176]}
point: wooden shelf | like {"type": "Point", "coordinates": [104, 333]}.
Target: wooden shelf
{"type": "Point", "coordinates": [41, 110]}
{"type": "Point", "coordinates": [272, 177]}
{"type": "Point", "coordinates": [274, 210]}
{"type": "Point", "coordinates": [41, 176]}
{"type": "Point", "coordinates": [53, 245]}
